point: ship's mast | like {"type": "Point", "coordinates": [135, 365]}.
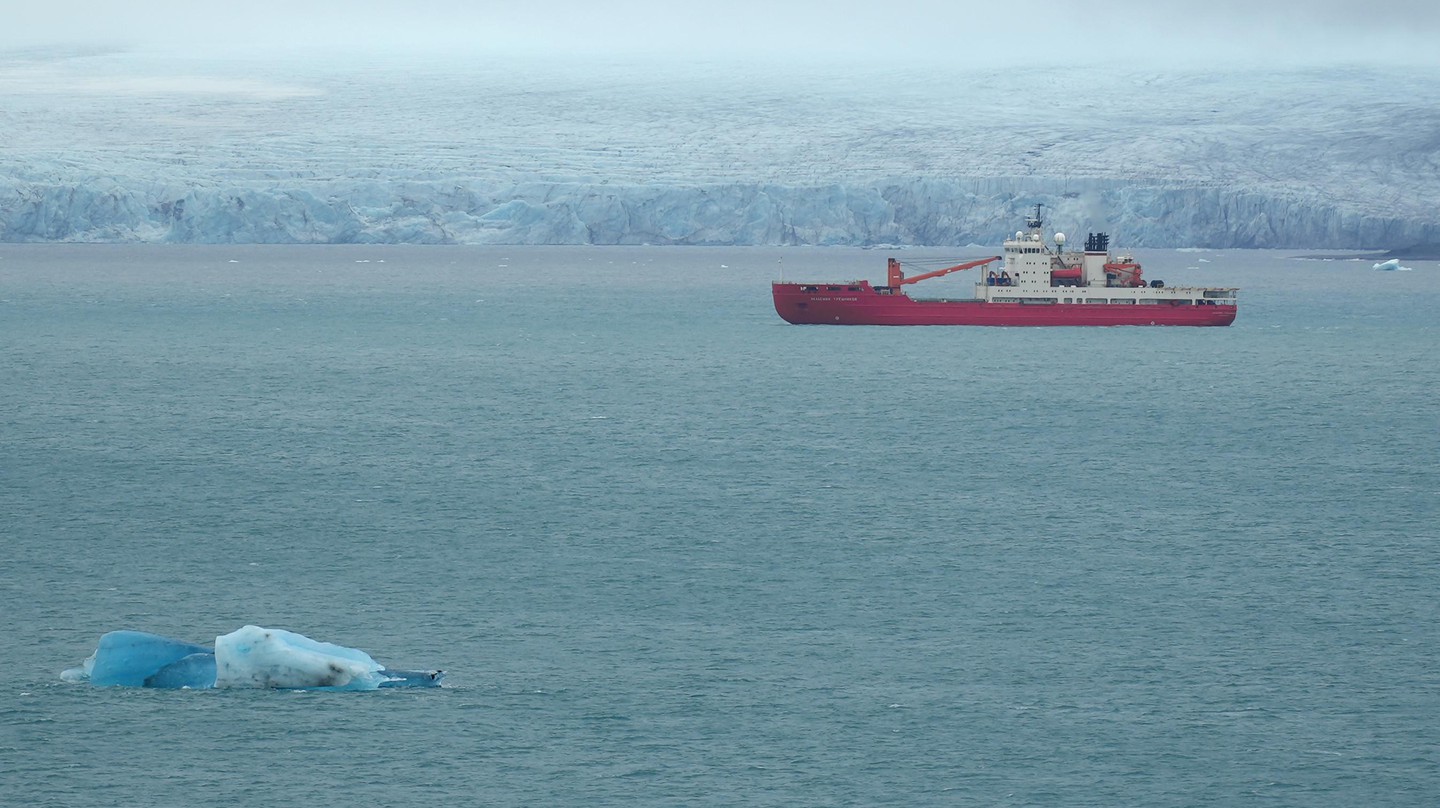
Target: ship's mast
{"type": "Point", "coordinates": [1036, 221]}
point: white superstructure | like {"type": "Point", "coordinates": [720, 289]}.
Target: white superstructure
{"type": "Point", "coordinates": [1036, 272]}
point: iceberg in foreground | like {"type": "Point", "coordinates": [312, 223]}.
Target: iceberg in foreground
{"type": "Point", "coordinates": [251, 657]}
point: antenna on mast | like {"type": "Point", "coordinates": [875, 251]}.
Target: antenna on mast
{"type": "Point", "coordinates": [1035, 221]}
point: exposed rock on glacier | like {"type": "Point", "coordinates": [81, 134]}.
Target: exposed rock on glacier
{"type": "Point", "coordinates": [250, 657]}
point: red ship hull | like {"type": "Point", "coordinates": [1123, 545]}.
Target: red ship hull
{"type": "Point", "coordinates": [858, 303]}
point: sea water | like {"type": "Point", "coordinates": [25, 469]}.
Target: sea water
{"type": "Point", "coordinates": [671, 550]}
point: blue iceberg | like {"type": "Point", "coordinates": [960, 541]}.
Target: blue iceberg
{"type": "Point", "coordinates": [251, 657]}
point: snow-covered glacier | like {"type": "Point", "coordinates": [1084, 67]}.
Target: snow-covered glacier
{"type": "Point", "coordinates": [116, 147]}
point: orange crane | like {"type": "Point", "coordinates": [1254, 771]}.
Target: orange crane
{"type": "Point", "coordinates": [898, 279]}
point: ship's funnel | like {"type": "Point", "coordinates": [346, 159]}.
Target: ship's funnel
{"type": "Point", "coordinates": [1097, 243]}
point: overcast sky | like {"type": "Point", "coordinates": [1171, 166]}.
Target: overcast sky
{"type": "Point", "coordinates": [873, 31]}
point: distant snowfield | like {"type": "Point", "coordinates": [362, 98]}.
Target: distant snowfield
{"type": "Point", "coordinates": [126, 147]}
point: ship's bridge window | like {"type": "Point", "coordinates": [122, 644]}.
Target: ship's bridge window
{"type": "Point", "coordinates": [852, 288]}
{"type": "Point", "coordinates": [832, 288]}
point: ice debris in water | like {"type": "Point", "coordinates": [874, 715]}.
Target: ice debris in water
{"type": "Point", "coordinates": [1391, 265]}
{"type": "Point", "coordinates": [251, 657]}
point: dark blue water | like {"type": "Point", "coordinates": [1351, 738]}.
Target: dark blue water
{"type": "Point", "coordinates": [673, 551]}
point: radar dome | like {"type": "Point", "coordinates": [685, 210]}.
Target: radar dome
{"type": "Point", "coordinates": [1060, 239]}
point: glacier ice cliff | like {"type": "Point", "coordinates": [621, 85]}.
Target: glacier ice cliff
{"type": "Point", "coordinates": [250, 657]}
{"type": "Point", "coordinates": [615, 154]}
{"type": "Point", "coordinates": [917, 212]}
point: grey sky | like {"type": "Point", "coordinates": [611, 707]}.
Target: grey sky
{"type": "Point", "coordinates": [873, 30]}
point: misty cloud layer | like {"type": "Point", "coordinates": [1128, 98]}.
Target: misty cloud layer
{"type": "Point", "coordinates": [903, 31]}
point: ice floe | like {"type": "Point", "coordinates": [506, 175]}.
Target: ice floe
{"type": "Point", "coordinates": [1392, 265]}
{"type": "Point", "coordinates": [250, 657]}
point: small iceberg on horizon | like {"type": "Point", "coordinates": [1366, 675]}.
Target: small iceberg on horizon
{"type": "Point", "coordinates": [250, 657]}
{"type": "Point", "coordinates": [1392, 265]}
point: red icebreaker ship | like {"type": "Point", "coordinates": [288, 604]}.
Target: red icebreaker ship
{"type": "Point", "coordinates": [1037, 285]}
